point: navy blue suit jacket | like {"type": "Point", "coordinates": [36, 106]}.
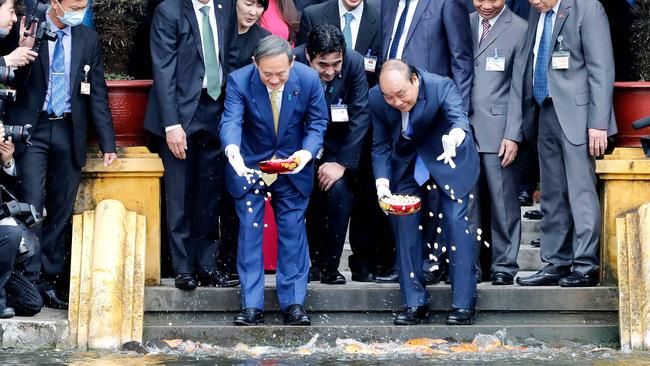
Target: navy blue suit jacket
{"type": "Point", "coordinates": [177, 56]}
{"type": "Point", "coordinates": [439, 40]}
{"type": "Point", "coordinates": [247, 122]}
{"type": "Point", "coordinates": [344, 140]}
{"type": "Point", "coordinates": [437, 110]}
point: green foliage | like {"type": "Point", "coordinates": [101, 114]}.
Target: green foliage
{"type": "Point", "coordinates": [116, 22]}
{"type": "Point", "coordinates": [639, 40]}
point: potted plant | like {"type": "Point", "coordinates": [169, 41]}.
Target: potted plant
{"type": "Point", "coordinates": [631, 36]}
{"type": "Point", "coordinates": [119, 24]}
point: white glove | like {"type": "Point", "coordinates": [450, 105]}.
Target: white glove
{"type": "Point", "coordinates": [382, 185]}
{"type": "Point", "coordinates": [304, 157]}
{"type": "Point", "coordinates": [236, 161]}
{"type": "Point", "coordinates": [449, 144]}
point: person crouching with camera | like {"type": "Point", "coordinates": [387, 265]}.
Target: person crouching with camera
{"type": "Point", "coordinates": [18, 296]}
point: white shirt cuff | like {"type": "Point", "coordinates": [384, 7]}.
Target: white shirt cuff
{"type": "Point", "coordinates": [172, 127]}
{"type": "Point", "coordinates": [11, 170]}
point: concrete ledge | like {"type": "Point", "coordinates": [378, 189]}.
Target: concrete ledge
{"type": "Point", "coordinates": [356, 296]}
{"type": "Point", "coordinates": [601, 329]}
{"type": "Point", "coordinates": [48, 329]}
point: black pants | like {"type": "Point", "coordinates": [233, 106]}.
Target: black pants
{"type": "Point", "coordinates": [328, 215]}
{"type": "Point", "coordinates": [192, 189]}
{"type": "Point", "coordinates": [9, 240]}
{"type": "Point", "coordinates": [49, 178]}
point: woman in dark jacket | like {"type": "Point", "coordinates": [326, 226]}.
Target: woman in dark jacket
{"type": "Point", "coordinates": [249, 32]}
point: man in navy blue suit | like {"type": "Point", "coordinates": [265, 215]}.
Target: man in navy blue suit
{"type": "Point", "coordinates": [274, 109]}
{"type": "Point", "coordinates": [423, 144]}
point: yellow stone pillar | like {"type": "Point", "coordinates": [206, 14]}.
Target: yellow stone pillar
{"type": "Point", "coordinates": [107, 277]}
{"type": "Point", "coordinates": [134, 180]}
{"type": "Point", "coordinates": [625, 185]}
{"type": "Point", "coordinates": [633, 239]}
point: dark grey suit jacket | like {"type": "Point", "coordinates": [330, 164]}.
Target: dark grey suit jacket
{"type": "Point", "coordinates": [582, 95]}
{"type": "Point", "coordinates": [491, 89]}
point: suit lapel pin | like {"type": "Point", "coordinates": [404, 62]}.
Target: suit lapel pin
{"type": "Point", "coordinates": [219, 6]}
{"type": "Point", "coordinates": [562, 15]}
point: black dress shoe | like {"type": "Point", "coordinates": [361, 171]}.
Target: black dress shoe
{"type": "Point", "coordinates": [363, 276]}
{"type": "Point", "coordinates": [249, 316]}
{"type": "Point", "coordinates": [314, 274]}
{"type": "Point", "coordinates": [431, 278]}
{"type": "Point", "coordinates": [579, 279]}
{"type": "Point", "coordinates": [461, 317]}
{"type": "Point", "coordinates": [296, 315]}
{"type": "Point", "coordinates": [391, 277]}
{"type": "Point", "coordinates": [534, 214]}
{"type": "Point", "coordinates": [536, 242]}
{"type": "Point", "coordinates": [501, 279]}
{"type": "Point", "coordinates": [413, 316]}
{"type": "Point", "coordinates": [7, 313]}
{"type": "Point", "coordinates": [525, 199]}
{"type": "Point", "coordinates": [185, 281]}
{"type": "Point", "coordinates": [216, 279]}
{"type": "Point", "coordinates": [51, 298]}
{"type": "Point", "coordinates": [541, 278]}
{"type": "Point", "coordinates": [332, 278]}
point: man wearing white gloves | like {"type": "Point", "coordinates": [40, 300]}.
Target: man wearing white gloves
{"type": "Point", "coordinates": [422, 142]}
{"type": "Point", "coordinates": [274, 109]}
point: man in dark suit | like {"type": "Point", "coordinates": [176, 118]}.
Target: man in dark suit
{"type": "Point", "coordinates": [499, 37]}
{"type": "Point", "coordinates": [190, 48]}
{"type": "Point", "coordinates": [433, 35]}
{"type": "Point", "coordinates": [274, 109]}
{"type": "Point", "coordinates": [63, 93]}
{"type": "Point", "coordinates": [423, 143]}
{"type": "Point", "coordinates": [563, 89]}
{"type": "Point", "coordinates": [359, 23]}
{"type": "Point", "coordinates": [346, 93]}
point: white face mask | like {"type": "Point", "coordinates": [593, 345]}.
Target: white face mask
{"type": "Point", "coordinates": [71, 18]}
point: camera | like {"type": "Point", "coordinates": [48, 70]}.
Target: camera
{"type": "Point", "coordinates": [6, 76]}
{"type": "Point", "coordinates": [43, 32]}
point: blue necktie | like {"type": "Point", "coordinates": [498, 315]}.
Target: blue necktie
{"type": "Point", "coordinates": [58, 89]}
{"type": "Point", "coordinates": [421, 172]}
{"type": "Point", "coordinates": [540, 82]}
{"type": "Point", "coordinates": [347, 30]}
{"type": "Point", "coordinates": [394, 45]}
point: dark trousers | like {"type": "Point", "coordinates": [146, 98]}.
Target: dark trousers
{"type": "Point", "coordinates": [229, 230]}
{"type": "Point", "coordinates": [328, 215]}
{"type": "Point", "coordinates": [49, 178]}
{"type": "Point", "coordinates": [9, 240]}
{"type": "Point", "coordinates": [371, 237]}
{"type": "Point", "coordinates": [192, 189]}
{"type": "Point", "coordinates": [571, 224]}
{"type": "Point", "coordinates": [411, 232]}
{"type": "Point", "coordinates": [528, 165]}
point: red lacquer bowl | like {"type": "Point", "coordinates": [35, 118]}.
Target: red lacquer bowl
{"type": "Point", "coordinates": [400, 204]}
{"type": "Point", "coordinates": [277, 166]}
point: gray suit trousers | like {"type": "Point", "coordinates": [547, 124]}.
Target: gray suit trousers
{"type": "Point", "coordinates": [505, 213]}
{"type": "Point", "coordinates": [571, 224]}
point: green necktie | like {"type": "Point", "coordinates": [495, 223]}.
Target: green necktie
{"type": "Point", "coordinates": [210, 56]}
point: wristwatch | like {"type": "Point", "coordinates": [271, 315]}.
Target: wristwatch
{"type": "Point", "coordinates": [8, 165]}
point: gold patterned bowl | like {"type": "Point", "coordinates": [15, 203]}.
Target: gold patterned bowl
{"type": "Point", "coordinates": [400, 204]}
{"type": "Point", "coordinates": [278, 166]}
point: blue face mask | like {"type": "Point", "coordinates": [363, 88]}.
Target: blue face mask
{"type": "Point", "coordinates": [71, 18]}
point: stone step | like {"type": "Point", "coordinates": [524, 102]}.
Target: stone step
{"type": "Point", "coordinates": [356, 296]}
{"type": "Point", "coordinates": [47, 329]}
{"type": "Point", "coordinates": [583, 327]}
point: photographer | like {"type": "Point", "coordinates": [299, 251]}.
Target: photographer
{"type": "Point", "coordinates": [60, 95]}
{"type": "Point", "coordinates": [18, 296]}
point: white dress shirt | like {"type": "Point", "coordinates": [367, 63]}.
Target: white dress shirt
{"type": "Point", "coordinates": [355, 23]}
{"type": "Point", "coordinates": [540, 30]}
{"type": "Point", "coordinates": [213, 24]}
{"type": "Point", "coordinates": [405, 124]}
{"type": "Point", "coordinates": [491, 21]}
{"type": "Point", "coordinates": [409, 19]}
